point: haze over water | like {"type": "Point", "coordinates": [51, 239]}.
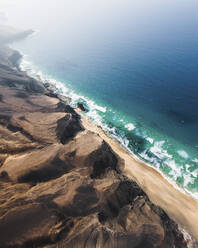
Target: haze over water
{"type": "Point", "coordinates": [134, 64]}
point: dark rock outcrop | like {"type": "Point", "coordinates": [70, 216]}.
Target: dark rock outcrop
{"type": "Point", "coordinates": [68, 127]}
{"type": "Point", "coordinates": [81, 106]}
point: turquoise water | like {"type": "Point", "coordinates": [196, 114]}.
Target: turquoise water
{"type": "Point", "coordinates": [136, 72]}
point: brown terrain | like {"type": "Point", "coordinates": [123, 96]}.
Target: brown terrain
{"type": "Point", "coordinates": [62, 185]}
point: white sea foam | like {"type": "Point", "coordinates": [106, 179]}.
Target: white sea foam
{"type": "Point", "coordinates": [188, 179]}
{"type": "Point", "coordinates": [183, 154]}
{"type": "Point", "coordinates": [158, 150]}
{"type": "Point", "coordinates": [170, 180]}
{"type": "Point", "coordinates": [177, 171]}
{"type": "Point", "coordinates": [101, 109]}
{"type": "Point", "coordinates": [195, 173]}
{"type": "Point", "coordinates": [195, 160]}
{"type": "Point", "coordinates": [130, 126]}
{"type": "Point", "coordinates": [187, 167]}
{"type": "Point", "coordinates": [150, 140]}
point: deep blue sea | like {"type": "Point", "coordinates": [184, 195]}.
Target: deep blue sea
{"type": "Point", "coordinates": [134, 64]}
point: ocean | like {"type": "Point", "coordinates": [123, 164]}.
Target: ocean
{"type": "Point", "coordinates": [134, 66]}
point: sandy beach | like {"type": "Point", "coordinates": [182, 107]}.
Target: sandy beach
{"type": "Point", "coordinates": [180, 207]}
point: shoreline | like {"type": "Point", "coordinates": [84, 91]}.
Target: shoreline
{"type": "Point", "coordinates": [143, 174]}
{"type": "Point", "coordinates": [78, 186]}
{"type": "Point", "coordinates": [57, 86]}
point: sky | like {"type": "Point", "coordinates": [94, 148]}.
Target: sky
{"type": "Point", "coordinates": [144, 18]}
{"type": "Point", "coordinates": [25, 12]}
